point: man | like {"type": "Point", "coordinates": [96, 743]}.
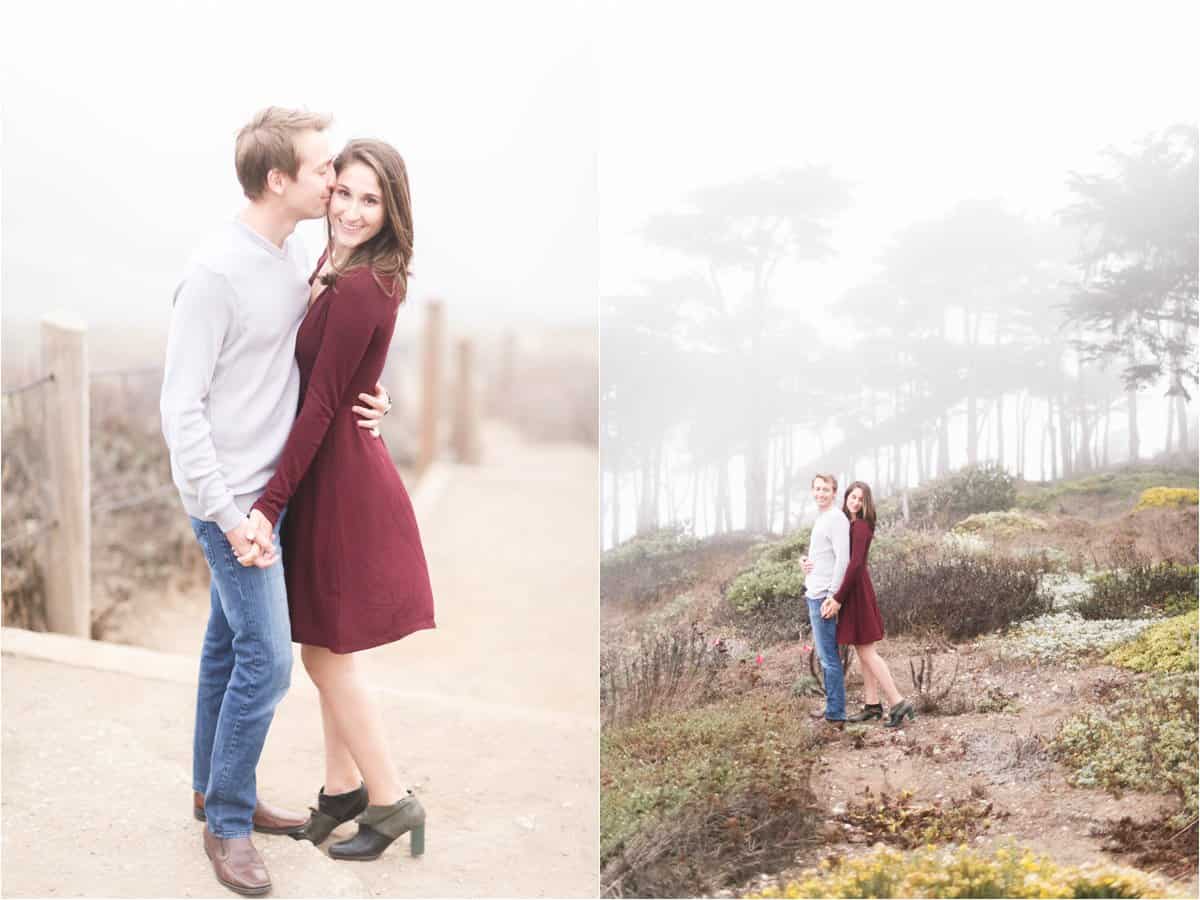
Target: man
{"type": "Point", "coordinates": [828, 556]}
{"type": "Point", "coordinates": [229, 397]}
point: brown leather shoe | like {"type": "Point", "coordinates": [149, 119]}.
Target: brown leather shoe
{"type": "Point", "coordinates": [267, 819]}
{"type": "Point", "coordinates": [832, 726]}
{"type": "Point", "coordinates": [237, 864]}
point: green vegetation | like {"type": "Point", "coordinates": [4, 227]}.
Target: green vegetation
{"type": "Point", "coordinates": [1168, 646]}
{"type": "Point", "coordinates": [648, 567]}
{"type": "Point", "coordinates": [954, 497]}
{"type": "Point", "coordinates": [703, 796]}
{"type": "Point", "coordinates": [1156, 497]}
{"type": "Point", "coordinates": [1122, 484]}
{"type": "Point", "coordinates": [963, 872]}
{"type": "Point", "coordinates": [1146, 742]}
{"type": "Point", "coordinates": [1000, 523]}
{"type": "Point", "coordinates": [1139, 587]}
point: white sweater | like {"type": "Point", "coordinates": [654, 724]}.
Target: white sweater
{"type": "Point", "coordinates": [829, 550]}
{"type": "Point", "coordinates": [231, 386]}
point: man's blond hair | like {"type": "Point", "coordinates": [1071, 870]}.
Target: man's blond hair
{"type": "Point", "coordinates": [823, 477]}
{"type": "Point", "coordinates": [268, 142]}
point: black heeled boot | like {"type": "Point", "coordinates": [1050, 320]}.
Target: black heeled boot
{"type": "Point", "coordinates": [380, 825]}
{"type": "Point", "coordinates": [869, 711]}
{"type": "Point", "coordinates": [897, 714]}
{"type": "Point", "coordinates": [330, 812]}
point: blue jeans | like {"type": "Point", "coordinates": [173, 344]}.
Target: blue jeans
{"type": "Point", "coordinates": [825, 640]}
{"type": "Point", "coordinates": [245, 669]}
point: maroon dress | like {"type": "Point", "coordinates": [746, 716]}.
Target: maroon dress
{"type": "Point", "coordinates": [355, 568]}
{"type": "Point", "coordinates": [859, 621]}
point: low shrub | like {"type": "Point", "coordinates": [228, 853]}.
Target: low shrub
{"type": "Point", "coordinates": [766, 601]}
{"type": "Point", "coordinates": [1155, 497]}
{"type": "Point", "coordinates": [1168, 647]}
{"type": "Point", "coordinates": [1006, 523]}
{"type": "Point", "coordinates": [941, 503]}
{"type": "Point", "coordinates": [664, 669]}
{"type": "Point", "coordinates": [895, 819]}
{"type": "Point", "coordinates": [1143, 742]}
{"type": "Point", "coordinates": [960, 595]}
{"type": "Point", "coordinates": [1064, 637]}
{"type": "Point", "coordinates": [702, 798]}
{"type": "Point", "coordinates": [1139, 587]}
{"type": "Point", "coordinates": [964, 872]}
{"type": "Point", "coordinates": [1121, 485]}
{"type": "Point", "coordinates": [648, 567]}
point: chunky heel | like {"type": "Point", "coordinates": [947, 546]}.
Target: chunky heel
{"type": "Point", "coordinates": [379, 826]}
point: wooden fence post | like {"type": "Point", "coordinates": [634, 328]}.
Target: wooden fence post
{"type": "Point", "coordinates": [431, 386]}
{"type": "Point", "coordinates": [68, 456]}
{"type": "Point", "coordinates": [466, 416]}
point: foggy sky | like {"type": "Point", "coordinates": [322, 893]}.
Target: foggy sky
{"type": "Point", "coordinates": [119, 121]}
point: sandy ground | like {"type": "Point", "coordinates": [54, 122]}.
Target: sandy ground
{"type": "Point", "coordinates": [493, 717]}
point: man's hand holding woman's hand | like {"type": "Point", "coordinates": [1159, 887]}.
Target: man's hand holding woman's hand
{"type": "Point", "coordinates": [259, 548]}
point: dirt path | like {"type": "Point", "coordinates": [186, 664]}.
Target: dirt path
{"type": "Point", "coordinates": [493, 716]}
{"type": "Point", "coordinates": [997, 757]}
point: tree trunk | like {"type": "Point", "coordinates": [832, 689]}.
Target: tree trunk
{"type": "Point", "coordinates": [943, 463]}
{"type": "Point", "coordinates": [1132, 410]}
{"type": "Point", "coordinates": [1000, 430]}
{"type": "Point", "coordinates": [1053, 440]}
{"type": "Point", "coordinates": [616, 503]}
{"type": "Point", "coordinates": [787, 479]}
{"type": "Point", "coordinates": [1181, 416]}
{"type": "Point", "coordinates": [972, 429]}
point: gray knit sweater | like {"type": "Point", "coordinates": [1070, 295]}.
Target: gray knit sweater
{"type": "Point", "coordinates": [230, 387]}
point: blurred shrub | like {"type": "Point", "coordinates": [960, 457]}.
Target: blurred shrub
{"type": "Point", "coordinates": [1144, 742]}
{"type": "Point", "coordinates": [702, 798]}
{"type": "Point", "coordinates": [1155, 497]}
{"type": "Point", "coordinates": [929, 587]}
{"type": "Point", "coordinates": [678, 666]}
{"type": "Point", "coordinates": [964, 872]}
{"type": "Point", "coordinates": [1168, 646]}
{"type": "Point", "coordinates": [767, 600]}
{"type": "Point", "coordinates": [1139, 586]}
{"type": "Point", "coordinates": [1118, 486]}
{"type": "Point", "coordinates": [648, 567]}
{"type": "Point", "coordinates": [999, 523]}
{"type": "Point", "coordinates": [1063, 637]}
{"type": "Point", "coordinates": [941, 503]}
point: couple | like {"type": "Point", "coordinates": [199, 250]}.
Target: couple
{"type": "Point", "coordinates": [263, 368]}
{"type": "Point", "coordinates": [841, 603]}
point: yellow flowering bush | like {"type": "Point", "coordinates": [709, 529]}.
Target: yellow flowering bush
{"type": "Point", "coordinates": [964, 872]}
{"type": "Point", "coordinates": [1155, 497]}
{"type": "Point", "coordinates": [1169, 646]}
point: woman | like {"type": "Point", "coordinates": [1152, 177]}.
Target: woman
{"type": "Point", "coordinates": [356, 572]}
{"type": "Point", "coordinates": [859, 622]}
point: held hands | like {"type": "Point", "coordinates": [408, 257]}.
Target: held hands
{"type": "Point", "coordinates": [379, 405]}
{"type": "Point", "coordinates": [260, 549]}
{"type": "Point", "coordinates": [806, 565]}
{"type": "Point", "coordinates": [829, 608]}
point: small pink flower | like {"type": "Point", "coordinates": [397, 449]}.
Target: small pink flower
{"type": "Point", "coordinates": [807, 648]}
{"type": "Point", "coordinates": [758, 662]}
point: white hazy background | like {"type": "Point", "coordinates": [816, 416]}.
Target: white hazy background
{"type": "Point", "coordinates": [919, 105]}
{"type": "Point", "coordinates": [119, 122]}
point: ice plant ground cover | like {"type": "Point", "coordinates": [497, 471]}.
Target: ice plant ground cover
{"type": "Point", "coordinates": [1063, 637]}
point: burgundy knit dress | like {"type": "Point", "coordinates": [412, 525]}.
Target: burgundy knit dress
{"type": "Point", "coordinates": [859, 621]}
{"type": "Point", "coordinates": [353, 561]}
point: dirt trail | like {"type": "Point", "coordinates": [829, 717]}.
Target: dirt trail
{"type": "Point", "coordinates": [998, 757]}
{"type": "Point", "coordinates": [493, 717]}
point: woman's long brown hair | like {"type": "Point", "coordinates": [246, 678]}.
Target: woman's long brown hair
{"type": "Point", "coordinates": [389, 252]}
{"type": "Point", "coordinates": [867, 510]}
